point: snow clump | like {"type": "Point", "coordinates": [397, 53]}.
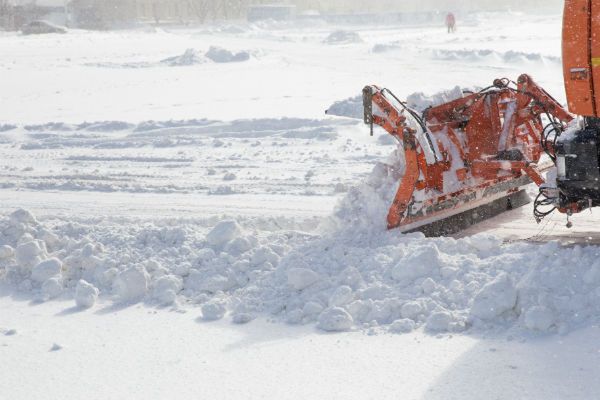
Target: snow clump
{"type": "Point", "coordinates": [131, 284]}
{"type": "Point", "coordinates": [335, 319]}
{"type": "Point", "coordinates": [223, 232]}
{"type": "Point", "coordinates": [301, 278]}
{"type": "Point", "coordinates": [86, 294]}
{"type": "Point", "coordinates": [46, 270]}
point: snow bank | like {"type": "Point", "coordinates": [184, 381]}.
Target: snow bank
{"type": "Point", "coordinates": [471, 55]}
{"type": "Point", "coordinates": [189, 57]}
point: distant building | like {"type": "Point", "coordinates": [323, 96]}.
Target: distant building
{"type": "Point", "coordinates": [420, 6]}
{"type": "Point", "coordinates": [16, 13]}
{"type": "Point", "coordinates": [101, 14]}
{"type": "Point", "coordinates": [106, 14]}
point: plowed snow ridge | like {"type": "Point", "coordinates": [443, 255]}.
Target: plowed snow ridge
{"type": "Point", "coordinates": [352, 275]}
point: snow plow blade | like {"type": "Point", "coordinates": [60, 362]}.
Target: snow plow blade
{"type": "Point", "coordinates": [468, 159]}
{"type": "Point", "coordinates": [466, 217]}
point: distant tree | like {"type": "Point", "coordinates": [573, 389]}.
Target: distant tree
{"type": "Point", "coordinates": [202, 8]}
{"type": "Point", "coordinates": [6, 15]}
{"type": "Point", "coordinates": [217, 9]}
{"type": "Point", "coordinates": [232, 8]}
{"type": "Point", "coordinates": [4, 8]}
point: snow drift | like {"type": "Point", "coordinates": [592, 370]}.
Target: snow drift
{"type": "Point", "coordinates": [188, 58]}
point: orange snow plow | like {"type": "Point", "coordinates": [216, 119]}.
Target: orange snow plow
{"type": "Point", "coordinates": [469, 159]}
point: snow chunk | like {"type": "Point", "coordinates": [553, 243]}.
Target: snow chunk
{"type": "Point", "coordinates": [52, 288]}
{"type": "Point", "coordinates": [420, 102]}
{"type": "Point", "coordinates": [22, 216]}
{"type": "Point", "coordinates": [495, 298]}
{"type": "Point", "coordinates": [422, 262]}
{"type": "Point", "coordinates": [6, 252]}
{"type": "Point", "coordinates": [166, 289]}
{"type": "Point", "coordinates": [439, 321]}
{"type": "Point", "coordinates": [238, 246]}
{"type": "Point", "coordinates": [411, 310]}
{"type": "Point", "coordinates": [351, 108]}
{"type": "Point", "coordinates": [86, 294]}
{"type": "Point", "coordinates": [539, 318]}
{"type": "Point", "coordinates": [264, 254]}
{"type": "Point", "coordinates": [312, 308]}
{"type": "Point", "coordinates": [301, 278]}
{"type": "Point", "coordinates": [335, 320]}
{"type": "Point", "coordinates": [213, 311]}
{"type": "Point", "coordinates": [56, 347]}
{"type": "Point", "coordinates": [223, 232]}
{"type": "Point", "coordinates": [342, 296]}
{"type": "Point", "coordinates": [402, 326]}
{"type": "Point", "coordinates": [30, 254]}
{"type": "Point", "coordinates": [131, 284]}
{"type": "Point", "coordinates": [46, 270]}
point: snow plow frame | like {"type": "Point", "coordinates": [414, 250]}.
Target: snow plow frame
{"type": "Point", "coordinates": [487, 143]}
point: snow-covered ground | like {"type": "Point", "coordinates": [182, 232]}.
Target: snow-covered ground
{"type": "Point", "coordinates": [143, 353]}
{"type": "Point", "coordinates": [178, 212]}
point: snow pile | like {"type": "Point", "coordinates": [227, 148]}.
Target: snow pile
{"type": "Point", "coordinates": [358, 276]}
{"type": "Point", "coordinates": [362, 276]}
{"type": "Point", "coordinates": [343, 37]}
{"type": "Point", "coordinates": [220, 55]}
{"type": "Point", "coordinates": [351, 108]}
{"type": "Point", "coordinates": [419, 101]}
{"type": "Point", "coordinates": [365, 206]}
{"type": "Point", "coordinates": [161, 265]}
{"type": "Point", "coordinates": [189, 57]}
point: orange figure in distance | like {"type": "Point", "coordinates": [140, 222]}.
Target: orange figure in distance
{"type": "Point", "coordinates": [451, 22]}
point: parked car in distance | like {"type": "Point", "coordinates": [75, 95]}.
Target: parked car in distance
{"type": "Point", "coordinates": [41, 27]}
